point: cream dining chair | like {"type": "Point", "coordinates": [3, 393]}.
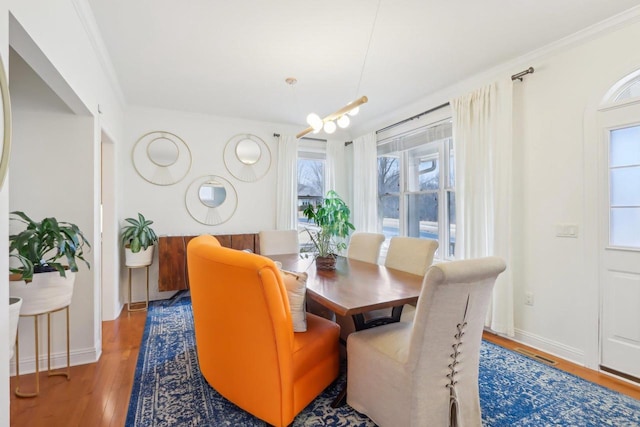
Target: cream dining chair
{"type": "Point", "coordinates": [412, 255]}
{"type": "Point", "coordinates": [425, 373]}
{"type": "Point", "coordinates": [365, 247]}
{"type": "Point", "coordinates": [278, 242]}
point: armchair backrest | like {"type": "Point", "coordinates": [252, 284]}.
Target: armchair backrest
{"type": "Point", "coordinates": [243, 326]}
{"type": "Point", "coordinates": [444, 350]}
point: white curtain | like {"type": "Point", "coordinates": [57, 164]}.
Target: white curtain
{"type": "Point", "coordinates": [365, 183]}
{"type": "Point", "coordinates": [287, 182]}
{"type": "Point", "coordinates": [335, 168]}
{"type": "Point", "coordinates": [483, 137]}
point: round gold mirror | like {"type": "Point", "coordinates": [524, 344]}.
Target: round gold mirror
{"type": "Point", "coordinates": [247, 157]}
{"type": "Point", "coordinates": [162, 151]}
{"type": "Point", "coordinates": [212, 193]}
{"type": "Point", "coordinates": [161, 158]}
{"type": "Point", "coordinates": [248, 151]}
{"type": "Point", "coordinates": [211, 199]}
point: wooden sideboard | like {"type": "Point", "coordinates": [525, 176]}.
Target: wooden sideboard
{"type": "Point", "coordinates": [172, 255]}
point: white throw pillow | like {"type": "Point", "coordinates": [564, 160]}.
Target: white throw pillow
{"type": "Point", "coordinates": [296, 285]}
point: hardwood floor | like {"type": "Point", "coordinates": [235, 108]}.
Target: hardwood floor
{"type": "Point", "coordinates": [604, 380]}
{"type": "Point", "coordinates": [98, 394]}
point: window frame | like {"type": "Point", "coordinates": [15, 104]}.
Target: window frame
{"type": "Point", "coordinates": [446, 186]}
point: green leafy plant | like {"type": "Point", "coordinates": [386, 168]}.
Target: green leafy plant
{"type": "Point", "coordinates": [332, 220]}
{"type": "Point", "coordinates": [40, 246]}
{"type": "Point", "coordinates": [137, 234]}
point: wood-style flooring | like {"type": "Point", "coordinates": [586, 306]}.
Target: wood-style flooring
{"type": "Point", "coordinates": [98, 394]}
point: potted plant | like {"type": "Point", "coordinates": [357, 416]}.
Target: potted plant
{"type": "Point", "coordinates": [331, 218]}
{"type": "Point", "coordinates": [42, 281]}
{"type": "Point", "coordinates": [138, 240]}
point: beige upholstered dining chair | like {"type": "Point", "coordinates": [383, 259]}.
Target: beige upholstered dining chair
{"type": "Point", "coordinates": [365, 247]}
{"type": "Point", "coordinates": [412, 255]}
{"type": "Point", "coordinates": [362, 247]}
{"type": "Point", "coordinates": [278, 242]}
{"type": "Point", "coordinates": [425, 373]}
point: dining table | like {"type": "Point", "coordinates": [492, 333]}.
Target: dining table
{"type": "Point", "coordinates": [354, 288]}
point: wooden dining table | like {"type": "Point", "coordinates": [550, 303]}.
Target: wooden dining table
{"type": "Point", "coordinates": [355, 288]}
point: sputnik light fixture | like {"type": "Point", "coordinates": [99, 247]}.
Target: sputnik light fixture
{"type": "Point", "coordinates": [341, 118]}
{"type": "Point", "coordinates": [316, 124]}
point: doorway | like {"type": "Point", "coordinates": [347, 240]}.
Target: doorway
{"type": "Point", "coordinates": [619, 242]}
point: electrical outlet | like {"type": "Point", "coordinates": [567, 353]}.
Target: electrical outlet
{"type": "Point", "coordinates": [528, 298]}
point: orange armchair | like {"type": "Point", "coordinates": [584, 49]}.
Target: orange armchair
{"type": "Point", "coordinates": [246, 346]}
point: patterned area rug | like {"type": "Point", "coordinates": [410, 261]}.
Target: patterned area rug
{"type": "Point", "coordinates": [514, 390]}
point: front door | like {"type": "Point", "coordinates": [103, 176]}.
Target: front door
{"type": "Point", "coordinates": [620, 240]}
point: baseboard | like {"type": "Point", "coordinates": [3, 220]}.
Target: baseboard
{"type": "Point", "coordinates": [58, 360]}
{"type": "Point", "coordinates": [566, 352]}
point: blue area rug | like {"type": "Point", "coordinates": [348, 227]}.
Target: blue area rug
{"type": "Point", "coordinates": [514, 390]}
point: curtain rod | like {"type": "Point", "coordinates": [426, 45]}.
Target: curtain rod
{"type": "Point", "coordinates": [277, 135]}
{"type": "Point", "coordinates": [417, 116]}
{"type": "Point", "coordinates": [521, 74]}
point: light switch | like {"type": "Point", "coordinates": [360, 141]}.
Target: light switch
{"type": "Point", "coordinates": [567, 230]}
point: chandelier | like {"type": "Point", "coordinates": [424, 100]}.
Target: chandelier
{"type": "Point", "coordinates": [338, 119]}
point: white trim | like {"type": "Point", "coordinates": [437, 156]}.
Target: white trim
{"type": "Point", "coordinates": [609, 25]}
{"type": "Point", "coordinates": [85, 14]}
{"type": "Point", "coordinates": [554, 348]}
{"type": "Point", "coordinates": [58, 360]}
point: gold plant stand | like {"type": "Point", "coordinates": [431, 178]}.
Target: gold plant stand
{"type": "Point", "coordinates": [50, 373]}
{"type": "Point", "coordinates": [146, 301]}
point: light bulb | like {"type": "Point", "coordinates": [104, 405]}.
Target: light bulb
{"type": "Point", "coordinates": [329, 127]}
{"type": "Point", "coordinates": [354, 112]}
{"type": "Point", "coordinates": [314, 121]}
{"type": "Point", "coordinates": [344, 121]}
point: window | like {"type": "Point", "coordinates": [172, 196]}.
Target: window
{"type": "Point", "coordinates": [310, 184]}
{"type": "Point", "coordinates": [629, 91]}
{"type": "Point", "coordinates": [416, 192]}
{"type": "Point", "coordinates": [311, 175]}
{"type": "Point", "coordinates": [624, 191]}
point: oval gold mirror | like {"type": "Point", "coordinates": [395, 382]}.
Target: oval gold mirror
{"type": "Point", "coordinates": [212, 193]}
{"type": "Point", "coordinates": [248, 151]}
{"type": "Point", "coordinates": [162, 151]}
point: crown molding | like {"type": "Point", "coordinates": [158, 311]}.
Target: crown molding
{"type": "Point", "coordinates": [600, 29]}
{"type": "Point", "coordinates": [95, 38]}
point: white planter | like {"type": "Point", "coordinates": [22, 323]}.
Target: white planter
{"type": "Point", "coordinates": [47, 292]}
{"type": "Point", "coordinates": [14, 316]}
{"type": "Point", "coordinates": [138, 259]}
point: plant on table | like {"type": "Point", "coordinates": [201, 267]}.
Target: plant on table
{"type": "Point", "coordinates": [331, 218]}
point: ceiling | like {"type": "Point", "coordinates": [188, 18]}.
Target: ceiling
{"type": "Point", "coordinates": [231, 58]}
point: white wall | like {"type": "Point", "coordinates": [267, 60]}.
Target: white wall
{"type": "Point", "coordinates": [206, 137]}
{"type": "Point", "coordinates": [59, 39]}
{"type": "Point", "coordinates": [51, 175]}
{"type": "Point", "coordinates": [557, 187]}
{"type": "Point", "coordinates": [55, 37]}
{"type": "Point", "coordinates": [554, 181]}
